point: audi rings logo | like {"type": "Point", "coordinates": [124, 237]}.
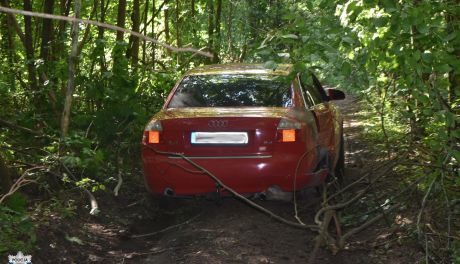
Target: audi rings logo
{"type": "Point", "coordinates": [218, 123]}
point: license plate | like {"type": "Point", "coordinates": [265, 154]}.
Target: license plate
{"type": "Point", "coordinates": [219, 138]}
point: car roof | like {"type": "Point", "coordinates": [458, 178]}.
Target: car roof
{"type": "Point", "coordinates": [240, 68]}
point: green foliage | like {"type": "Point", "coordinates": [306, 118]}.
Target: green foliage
{"type": "Point", "coordinates": [81, 154]}
{"type": "Point", "coordinates": [65, 208]}
{"type": "Point", "coordinates": [401, 57]}
{"type": "Point", "coordinates": [17, 231]}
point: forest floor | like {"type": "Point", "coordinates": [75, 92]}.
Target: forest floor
{"type": "Point", "coordinates": [228, 233]}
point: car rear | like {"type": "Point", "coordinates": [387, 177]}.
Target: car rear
{"type": "Point", "coordinates": [243, 128]}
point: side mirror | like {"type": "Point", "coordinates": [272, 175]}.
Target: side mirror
{"type": "Point", "coordinates": [335, 94]}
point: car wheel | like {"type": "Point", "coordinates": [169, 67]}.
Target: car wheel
{"type": "Point", "coordinates": [162, 202]}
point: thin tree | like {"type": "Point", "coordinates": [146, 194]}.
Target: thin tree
{"type": "Point", "coordinates": [217, 31]}
{"type": "Point", "coordinates": [28, 44]}
{"type": "Point", "coordinates": [47, 31]}
{"type": "Point", "coordinates": [71, 78]}
{"type": "Point", "coordinates": [134, 41]}
{"type": "Point", "coordinates": [121, 18]}
{"type": "Point", "coordinates": [178, 29]}
{"type": "Point", "coordinates": [210, 6]}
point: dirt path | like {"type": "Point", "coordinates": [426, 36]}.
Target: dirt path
{"type": "Point", "coordinates": [228, 233]}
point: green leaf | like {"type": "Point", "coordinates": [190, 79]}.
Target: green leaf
{"type": "Point", "coordinates": [450, 37]}
{"type": "Point", "coordinates": [450, 119]}
{"type": "Point", "coordinates": [346, 68]}
{"type": "Point", "coordinates": [423, 29]}
{"type": "Point", "coordinates": [270, 65]}
{"type": "Point", "coordinates": [444, 68]}
{"type": "Point", "coordinates": [74, 240]}
{"type": "Point", "coordinates": [456, 133]}
{"type": "Point", "coordinates": [347, 39]}
{"type": "Point", "coordinates": [290, 36]}
{"type": "Point", "coordinates": [417, 55]}
{"type": "Point", "coordinates": [424, 99]}
{"type": "Point", "coordinates": [455, 154]}
{"type": "Point", "coordinates": [427, 57]}
{"type": "Point", "coordinates": [17, 202]}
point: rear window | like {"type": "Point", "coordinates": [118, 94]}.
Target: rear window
{"type": "Point", "coordinates": [232, 90]}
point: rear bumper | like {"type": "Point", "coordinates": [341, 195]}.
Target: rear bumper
{"type": "Point", "coordinates": [244, 174]}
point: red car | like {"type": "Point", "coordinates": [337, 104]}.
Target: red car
{"type": "Point", "coordinates": [254, 128]}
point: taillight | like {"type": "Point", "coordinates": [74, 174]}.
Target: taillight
{"type": "Point", "coordinates": [154, 137]}
{"type": "Point", "coordinates": [288, 135]}
{"type": "Point", "coordinates": [153, 132]}
{"type": "Point", "coordinates": [287, 130]}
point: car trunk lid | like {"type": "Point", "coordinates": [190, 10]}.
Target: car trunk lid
{"type": "Point", "coordinates": [221, 132]}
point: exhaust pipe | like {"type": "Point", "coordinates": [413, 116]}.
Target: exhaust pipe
{"type": "Point", "coordinates": [168, 192]}
{"type": "Point", "coordinates": [274, 193]}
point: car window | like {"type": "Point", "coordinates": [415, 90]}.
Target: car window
{"type": "Point", "coordinates": [319, 88]}
{"type": "Point", "coordinates": [232, 90]}
{"type": "Point", "coordinates": [313, 89]}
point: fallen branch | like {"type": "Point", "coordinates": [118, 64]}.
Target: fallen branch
{"type": "Point", "coordinates": [167, 228]}
{"type": "Point", "coordinates": [360, 228]}
{"type": "Point", "coordinates": [135, 254]}
{"type": "Point", "coordinates": [18, 127]}
{"type": "Point", "coordinates": [323, 236]}
{"type": "Point", "coordinates": [20, 182]}
{"type": "Point", "coordinates": [339, 205]}
{"type": "Point", "coordinates": [330, 211]}
{"type": "Point", "coordinates": [387, 165]}
{"type": "Point", "coordinates": [93, 202]}
{"type": "Point", "coordinates": [236, 194]}
{"type": "Point", "coordinates": [296, 211]}
{"type": "Point", "coordinates": [104, 25]}
{"type": "Point", "coordinates": [424, 201]}
{"type": "Point", "coordinates": [120, 179]}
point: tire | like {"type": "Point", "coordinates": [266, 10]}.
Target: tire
{"type": "Point", "coordinates": [161, 202]}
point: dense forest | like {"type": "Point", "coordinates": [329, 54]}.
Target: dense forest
{"type": "Point", "coordinates": [75, 96]}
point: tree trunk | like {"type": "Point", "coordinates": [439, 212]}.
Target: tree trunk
{"type": "Point", "coordinates": [217, 30]}
{"type": "Point", "coordinates": [166, 16]}
{"type": "Point", "coordinates": [134, 50]}
{"type": "Point", "coordinates": [144, 31]}
{"type": "Point", "coordinates": [59, 48]}
{"type": "Point", "coordinates": [118, 50]}
{"type": "Point", "coordinates": [454, 75]}
{"type": "Point", "coordinates": [100, 34]}
{"type": "Point", "coordinates": [253, 19]}
{"type": "Point", "coordinates": [229, 26]}
{"type": "Point", "coordinates": [28, 45]}
{"type": "Point", "coordinates": [178, 26]}
{"type": "Point", "coordinates": [64, 7]}
{"type": "Point", "coordinates": [192, 16]}
{"type": "Point", "coordinates": [14, 23]}
{"type": "Point", "coordinates": [210, 7]}
{"type": "Point", "coordinates": [47, 32]}
{"type": "Point", "coordinates": [71, 78]}
{"type": "Point", "coordinates": [153, 34]}
{"type": "Point", "coordinates": [121, 18]}
{"type": "Point", "coordinates": [87, 29]}
{"type": "Point", "coordinates": [10, 51]}
{"type": "Point", "coordinates": [5, 177]}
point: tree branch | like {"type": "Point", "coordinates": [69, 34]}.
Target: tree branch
{"type": "Point", "coordinates": [97, 23]}
{"type": "Point", "coordinates": [236, 194]}
{"type": "Point", "coordinates": [21, 182]}
{"type": "Point", "coordinates": [18, 127]}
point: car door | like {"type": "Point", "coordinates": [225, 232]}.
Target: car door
{"type": "Point", "coordinates": [323, 112]}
